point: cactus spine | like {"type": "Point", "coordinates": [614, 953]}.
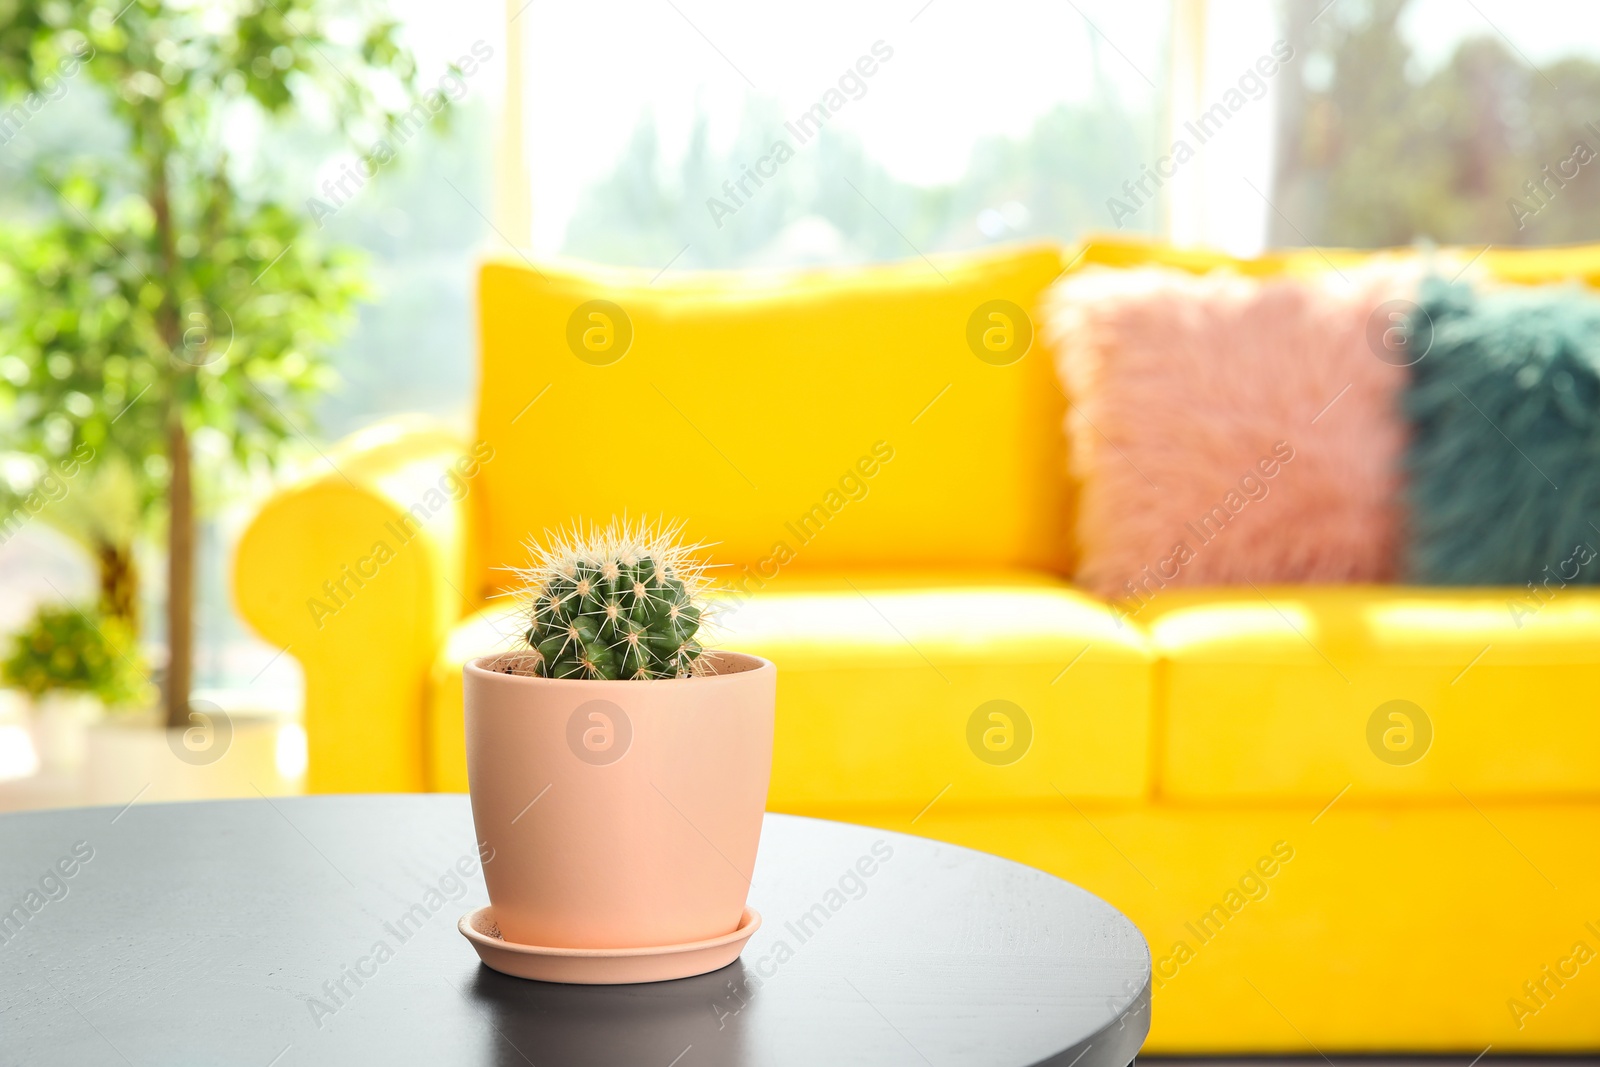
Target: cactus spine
{"type": "Point", "coordinates": [623, 602]}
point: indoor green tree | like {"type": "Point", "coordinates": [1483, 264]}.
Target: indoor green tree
{"type": "Point", "coordinates": [161, 287]}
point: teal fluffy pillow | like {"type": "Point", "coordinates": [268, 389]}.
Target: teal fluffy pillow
{"type": "Point", "coordinates": [1504, 461]}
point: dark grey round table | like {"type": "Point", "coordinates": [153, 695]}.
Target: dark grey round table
{"type": "Point", "coordinates": [323, 930]}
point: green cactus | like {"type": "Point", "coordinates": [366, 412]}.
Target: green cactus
{"type": "Point", "coordinates": [625, 602]}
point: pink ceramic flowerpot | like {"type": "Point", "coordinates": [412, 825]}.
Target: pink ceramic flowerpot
{"type": "Point", "coordinates": [619, 814]}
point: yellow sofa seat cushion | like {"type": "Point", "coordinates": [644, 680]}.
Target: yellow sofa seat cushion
{"type": "Point", "coordinates": [1288, 691]}
{"type": "Point", "coordinates": [962, 689]}
{"type": "Point", "coordinates": [882, 678]}
{"type": "Point", "coordinates": [816, 421]}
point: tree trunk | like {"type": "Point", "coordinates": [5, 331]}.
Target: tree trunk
{"type": "Point", "coordinates": [180, 578]}
{"type": "Point", "coordinates": [119, 582]}
{"type": "Point", "coordinates": [180, 491]}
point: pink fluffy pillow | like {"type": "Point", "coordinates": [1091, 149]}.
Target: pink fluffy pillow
{"type": "Point", "coordinates": [1228, 430]}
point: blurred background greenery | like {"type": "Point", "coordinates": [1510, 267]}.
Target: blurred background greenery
{"type": "Point", "coordinates": [1388, 138]}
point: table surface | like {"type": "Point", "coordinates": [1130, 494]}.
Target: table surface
{"type": "Point", "coordinates": [272, 933]}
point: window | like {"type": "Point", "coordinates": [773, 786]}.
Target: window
{"type": "Point", "coordinates": [1433, 120]}
{"type": "Point", "coordinates": [711, 134]}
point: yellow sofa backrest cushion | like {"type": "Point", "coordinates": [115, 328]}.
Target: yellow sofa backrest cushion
{"type": "Point", "coordinates": [828, 420]}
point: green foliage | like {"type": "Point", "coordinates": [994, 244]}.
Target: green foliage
{"type": "Point", "coordinates": [1375, 151]}
{"type": "Point", "coordinates": [156, 279]}
{"type": "Point", "coordinates": [63, 649]}
{"type": "Point", "coordinates": [161, 296]}
{"type": "Point", "coordinates": [87, 360]}
{"type": "Point", "coordinates": [620, 603]}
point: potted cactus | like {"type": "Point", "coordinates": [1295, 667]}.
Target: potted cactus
{"type": "Point", "coordinates": [618, 768]}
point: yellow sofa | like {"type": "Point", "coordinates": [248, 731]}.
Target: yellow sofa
{"type": "Point", "coordinates": [878, 453]}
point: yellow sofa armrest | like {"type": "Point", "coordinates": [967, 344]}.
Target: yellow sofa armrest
{"type": "Point", "coordinates": [359, 571]}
